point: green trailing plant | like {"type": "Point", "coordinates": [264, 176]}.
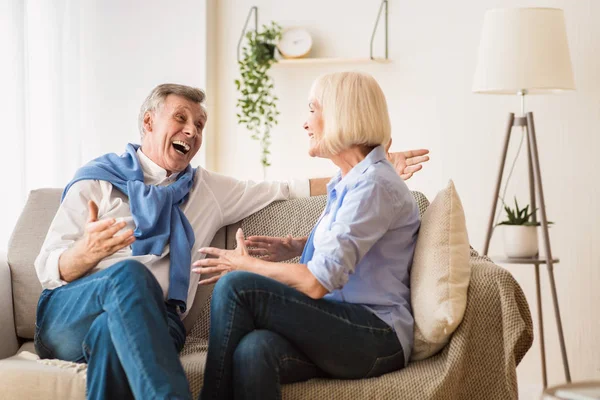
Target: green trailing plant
{"type": "Point", "coordinates": [519, 216]}
{"type": "Point", "coordinates": [257, 104]}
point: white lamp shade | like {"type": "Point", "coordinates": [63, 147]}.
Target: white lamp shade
{"type": "Point", "coordinates": [523, 49]}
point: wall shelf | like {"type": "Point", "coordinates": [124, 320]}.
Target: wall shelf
{"type": "Point", "coordinates": [523, 260]}
{"type": "Point", "coordinates": [383, 10]}
{"type": "Point", "coordinates": [331, 60]}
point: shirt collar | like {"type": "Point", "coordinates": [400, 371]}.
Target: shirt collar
{"type": "Point", "coordinates": [153, 173]}
{"type": "Point", "coordinates": [338, 183]}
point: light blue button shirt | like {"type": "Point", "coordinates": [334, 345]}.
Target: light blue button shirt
{"type": "Point", "coordinates": [365, 240]}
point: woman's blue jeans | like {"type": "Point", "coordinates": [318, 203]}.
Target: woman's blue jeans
{"type": "Point", "coordinates": [116, 320]}
{"type": "Point", "coordinates": [264, 333]}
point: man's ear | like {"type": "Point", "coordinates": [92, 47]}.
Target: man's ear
{"type": "Point", "coordinates": [148, 121]}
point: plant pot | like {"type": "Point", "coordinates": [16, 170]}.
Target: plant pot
{"type": "Point", "coordinates": [270, 49]}
{"type": "Point", "coordinates": [520, 241]}
{"type": "Point", "coordinates": [265, 52]}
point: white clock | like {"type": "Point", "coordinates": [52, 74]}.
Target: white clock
{"type": "Point", "coordinates": [295, 43]}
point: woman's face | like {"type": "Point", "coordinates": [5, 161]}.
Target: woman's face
{"type": "Point", "coordinates": [314, 128]}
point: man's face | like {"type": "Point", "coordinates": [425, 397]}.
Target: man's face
{"type": "Point", "coordinates": [173, 133]}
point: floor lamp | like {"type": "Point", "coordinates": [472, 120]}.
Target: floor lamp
{"type": "Point", "coordinates": [524, 51]}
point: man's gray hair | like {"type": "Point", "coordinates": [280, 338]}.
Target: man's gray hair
{"type": "Point", "coordinates": [158, 95]}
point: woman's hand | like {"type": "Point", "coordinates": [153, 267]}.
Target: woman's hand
{"type": "Point", "coordinates": [407, 163]}
{"type": "Point", "coordinates": [224, 261]}
{"type": "Point", "coordinates": [275, 249]}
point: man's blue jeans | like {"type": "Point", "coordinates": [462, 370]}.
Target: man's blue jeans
{"type": "Point", "coordinates": [116, 320]}
{"type": "Point", "coordinates": [264, 333]}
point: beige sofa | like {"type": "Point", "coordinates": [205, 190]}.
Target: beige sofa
{"type": "Point", "coordinates": [478, 363]}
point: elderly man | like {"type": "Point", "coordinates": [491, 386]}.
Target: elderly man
{"type": "Point", "coordinates": [115, 265]}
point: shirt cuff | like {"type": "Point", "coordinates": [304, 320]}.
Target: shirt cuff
{"type": "Point", "coordinates": [52, 274]}
{"type": "Point", "coordinates": [299, 188]}
{"type": "Point", "coordinates": [323, 270]}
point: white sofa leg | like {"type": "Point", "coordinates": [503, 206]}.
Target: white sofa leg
{"type": "Point", "coordinates": [8, 334]}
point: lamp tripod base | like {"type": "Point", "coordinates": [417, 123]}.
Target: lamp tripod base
{"type": "Point", "coordinates": [535, 189]}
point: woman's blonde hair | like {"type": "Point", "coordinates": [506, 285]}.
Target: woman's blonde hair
{"type": "Point", "coordinates": [354, 111]}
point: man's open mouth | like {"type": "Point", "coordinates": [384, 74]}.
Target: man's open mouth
{"type": "Point", "coordinates": [181, 147]}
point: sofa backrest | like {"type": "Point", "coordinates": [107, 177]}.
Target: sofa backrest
{"type": "Point", "coordinates": [24, 246]}
{"type": "Point", "coordinates": [294, 217]}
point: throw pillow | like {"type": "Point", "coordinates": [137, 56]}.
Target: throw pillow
{"type": "Point", "coordinates": [440, 273]}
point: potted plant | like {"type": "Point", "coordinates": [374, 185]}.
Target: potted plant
{"type": "Point", "coordinates": [520, 233]}
{"type": "Point", "coordinates": [257, 104]}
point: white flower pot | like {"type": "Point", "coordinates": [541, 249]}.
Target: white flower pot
{"type": "Point", "coordinates": [520, 241]}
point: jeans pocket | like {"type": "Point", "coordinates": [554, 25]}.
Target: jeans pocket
{"type": "Point", "coordinates": [384, 365]}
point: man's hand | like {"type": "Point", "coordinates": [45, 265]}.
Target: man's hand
{"type": "Point", "coordinates": [98, 241]}
{"type": "Point", "coordinates": [275, 249]}
{"type": "Point", "coordinates": [407, 163]}
{"type": "Point", "coordinates": [224, 261]}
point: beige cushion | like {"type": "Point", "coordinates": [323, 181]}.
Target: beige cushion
{"type": "Point", "coordinates": [24, 376]}
{"type": "Point", "coordinates": [440, 273]}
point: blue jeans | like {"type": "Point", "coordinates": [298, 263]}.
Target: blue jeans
{"type": "Point", "coordinates": [264, 333]}
{"type": "Point", "coordinates": [116, 320]}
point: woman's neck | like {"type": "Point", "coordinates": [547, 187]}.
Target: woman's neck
{"type": "Point", "coordinates": [349, 158]}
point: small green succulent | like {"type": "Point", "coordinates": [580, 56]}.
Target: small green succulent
{"type": "Point", "coordinates": [518, 216]}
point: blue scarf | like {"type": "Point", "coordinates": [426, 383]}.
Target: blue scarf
{"type": "Point", "coordinates": [156, 213]}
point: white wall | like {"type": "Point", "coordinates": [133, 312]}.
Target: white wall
{"type": "Point", "coordinates": [11, 115]}
{"type": "Point", "coordinates": [82, 71]}
{"type": "Point", "coordinates": [132, 46]}
{"type": "Point", "coordinates": [433, 45]}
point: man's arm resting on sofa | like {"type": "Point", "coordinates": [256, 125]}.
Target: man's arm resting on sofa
{"type": "Point", "coordinates": [8, 334]}
{"type": "Point", "coordinates": [318, 186]}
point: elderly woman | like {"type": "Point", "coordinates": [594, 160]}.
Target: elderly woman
{"type": "Point", "coordinates": [344, 311]}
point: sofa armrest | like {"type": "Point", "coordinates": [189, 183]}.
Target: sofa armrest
{"type": "Point", "coordinates": [8, 334]}
{"type": "Point", "coordinates": [496, 331]}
